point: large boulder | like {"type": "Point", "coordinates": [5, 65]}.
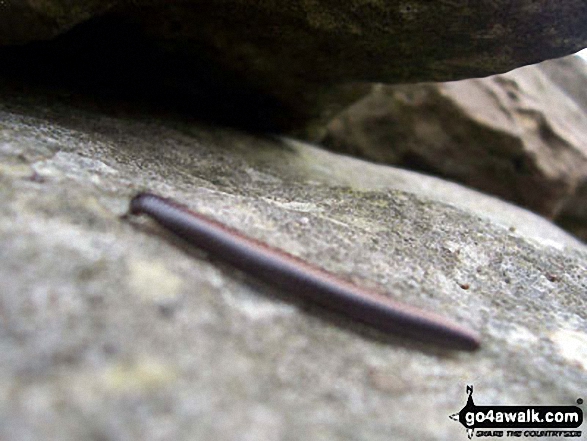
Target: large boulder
{"type": "Point", "coordinates": [289, 64]}
{"type": "Point", "coordinates": [111, 329]}
{"type": "Point", "coordinates": [521, 135]}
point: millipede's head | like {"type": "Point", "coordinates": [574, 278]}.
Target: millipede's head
{"type": "Point", "coordinates": [149, 203]}
{"type": "Point", "coordinates": [136, 203]}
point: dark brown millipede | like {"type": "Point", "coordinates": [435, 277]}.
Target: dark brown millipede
{"type": "Point", "coordinates": [294, 275]}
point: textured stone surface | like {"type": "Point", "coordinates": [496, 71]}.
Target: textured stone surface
{"type": "Point", "coordinates": [290, 62]}
{"type": "Point", "coordinates": [111, 330]}
{"type": "Point", "coordinates": [521, 136]}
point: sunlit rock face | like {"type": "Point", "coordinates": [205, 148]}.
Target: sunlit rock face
{"type": "Point", "coordinates": [521, 135]}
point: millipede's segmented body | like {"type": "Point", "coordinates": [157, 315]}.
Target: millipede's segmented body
{"type": "Point", "coordinates": [302, 279]}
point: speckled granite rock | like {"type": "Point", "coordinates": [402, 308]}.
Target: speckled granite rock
{"type": "Point", "coordinates": [290, 62]}
{"type": "Point", "coordinates": [112, 330]}
{"type": "Point", "coordinates": [521, 135]}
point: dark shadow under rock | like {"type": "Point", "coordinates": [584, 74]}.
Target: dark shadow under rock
{"type": "Point", "coordinates": [286, 66]}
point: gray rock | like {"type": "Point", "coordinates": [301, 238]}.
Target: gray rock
{"type": "Point", "coordinates": [568, 73]}
{"type": "Point", "coordinates": [110, 329]}
{"type": "Point", "coordinates": [520, 135]}
{"type": "Point", "coordinates": [298, 58]}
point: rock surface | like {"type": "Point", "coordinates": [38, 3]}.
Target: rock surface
{"type": "Point", "coordinates": [293, 62]}
{"type": "Point", "coordinates": [110, 329]}
{"type": "Point", "coordinates": [521, 136]}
